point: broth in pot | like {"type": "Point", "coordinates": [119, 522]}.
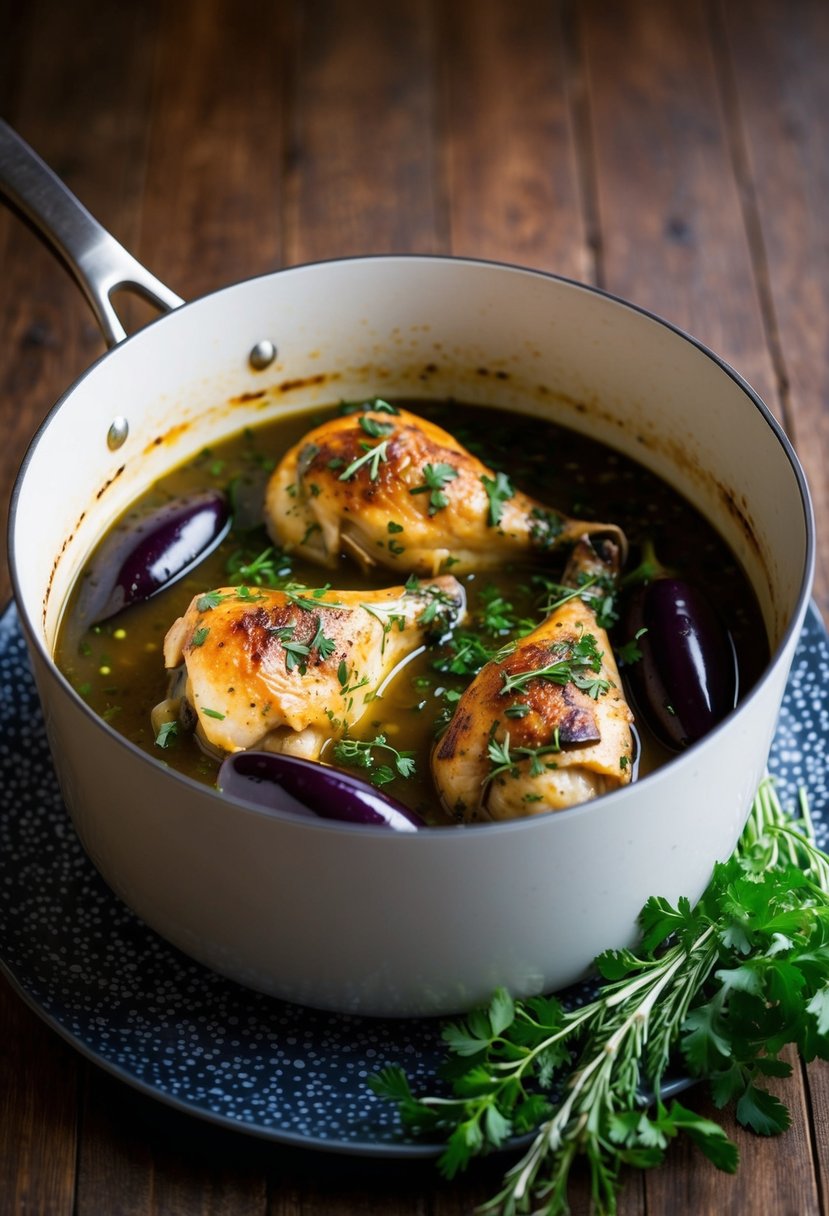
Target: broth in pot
{"type": "Point", "coordinates": [470, 608]}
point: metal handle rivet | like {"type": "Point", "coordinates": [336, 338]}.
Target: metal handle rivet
{"type": "Point", "coordinates": [119, 428]}
{"type": "Point", "coordinates": [262, 355]}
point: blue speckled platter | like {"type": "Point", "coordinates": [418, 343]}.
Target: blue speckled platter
{"type": "Point", "coordinates": [181, 1033]}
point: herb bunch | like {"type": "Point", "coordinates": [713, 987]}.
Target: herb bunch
{"type": "Point", "coordinates": [721, 988]}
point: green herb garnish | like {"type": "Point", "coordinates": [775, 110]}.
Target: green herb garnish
{"type": "Point", "coordinates": [505, 759]}
{"type": "Point", "coordinates": [311, 601]}
{"type": "Point", "coordinates": [435, 477]}
{"type": "Point", "coordinates": [167, 733]}
{"type": "Point", "coordinates": [360, 754]}
{"type": "Point", "coordinates": [728, 984]}
{"type": "Point", "coordinates": [374, 428]}
{"type": "Point", "coordinates": [267, 568]}
{"type": "Point", "coordinates": [210, 600]}
{"type": "Point", "coordinates": [499, 490]}
{"type": "Point", "coordinates": [373, 456]}
{"type": "Point", "coordinates": [574, 663]}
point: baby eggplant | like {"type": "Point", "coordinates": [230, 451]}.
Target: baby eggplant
{"type": "Point", "coordinates": [312, 790]}
{"type": "Point", "coordinates": [686, 679]}
{"type": "Point", "coordinates": [143, 555]}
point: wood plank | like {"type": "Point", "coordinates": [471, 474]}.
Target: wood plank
{"type": "Point", "coordinates": [362, 170]}
{"type": "Point", "coordinates": [49, 335]}
{"type": "Point", "coordinates": [509, 106]}
{"type": "Point", "coordinates": [38, 1112]}
{"type": "Point", "coordinates": [673, 236]}
{"type": "Point", "coordinates": [211, 202]}
{"type": "Point", "coordinates": [138, 1157]}
{"type": "Point", "coordinates": [306, 1183]}
{"type": "Point", "coordinates": [782, 88]}
{"type": "Point", "coordinates": [48, 339]}
{"type": "Point", "coordinates": [676, 237]}
{"type": "Point", "coordinates": [774, 1174]}
{"type": "Point", "coordinates": [817, 1094]}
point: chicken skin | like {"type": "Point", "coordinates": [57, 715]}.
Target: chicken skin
{"type": "Point", "coordinates": [547, 726]}
{"type": "Point", "coordinates": [392, 489]}
{"type": "Point", "coordinates": [288, 670]}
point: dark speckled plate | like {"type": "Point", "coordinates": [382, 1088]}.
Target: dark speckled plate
{"type": "Point", "coordinates": [179, 1032]}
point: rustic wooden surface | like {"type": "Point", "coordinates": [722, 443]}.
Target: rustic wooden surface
{"type": "Point", "coordinates": [677, 155]}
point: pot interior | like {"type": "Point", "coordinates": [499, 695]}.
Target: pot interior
{"type": "Point", "coordinates": [411, 327]}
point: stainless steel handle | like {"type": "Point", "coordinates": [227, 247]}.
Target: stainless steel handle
{"type": "Point", "coordinates": [99, 263]}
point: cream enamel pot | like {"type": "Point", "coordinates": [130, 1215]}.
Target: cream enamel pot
{"type": "Point", "coordinates": [356, 918]}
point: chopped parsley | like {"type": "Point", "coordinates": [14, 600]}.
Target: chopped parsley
{"type": "Point", "coordinates": [499, 490]}
{"type": "Point", "coordinates": [435, 478]}
{"type": "Point", "coordinates": [374, 428]}
{"type": "Point", "coordinates": [546, 527]}
{"type": "Point", "coordinates": [167, 734]}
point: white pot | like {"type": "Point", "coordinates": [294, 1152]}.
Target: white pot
{"type": "Point", "coordinates": [360, 919]}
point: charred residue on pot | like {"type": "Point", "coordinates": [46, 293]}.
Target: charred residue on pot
{"type": "Point", "coordinates": [169, 437]}
{"type": "Point", "coordinates": [301, 382]}
{"type": "Point", "coordinates": [498, 373]}
{"type": "Point", "coordinates": [244, 398]}
{"type": "Point", "coordinates": [59, 558]}
{"type": "Point", "coordinates": [109, 481]}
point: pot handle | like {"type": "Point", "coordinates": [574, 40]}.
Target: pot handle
{"type": "Point", "coordinates": [99, 263]}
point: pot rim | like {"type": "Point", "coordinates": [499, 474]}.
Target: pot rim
{"type": "Point", "coordinates": [445, 831]}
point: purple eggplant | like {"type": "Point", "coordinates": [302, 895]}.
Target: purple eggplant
{"type": "Point", "coordinates": [145, 554]}
{"type": "Point", "coordinates": [311, 790]}
{"type": "Point", "coordinates": [686, 680]}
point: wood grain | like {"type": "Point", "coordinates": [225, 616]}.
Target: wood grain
{"type": "Point", "coordinates": [785, 113]}
{"type": "Point", "coordinates": [61, 107]}
{"type": "Point", "coordinates": [361, 150]}
{"type": "Point", "coordinates": [211, 200]}
{"type": "Point", "coordinates": [673, 235]}
{"type": "Point", "coordinates": [676, 155]}
{"type": "Point", "coordinates": [138, 1157]}
{"type": "Point", "coordinates": [508, 116]}
{"type": "Point", "coordinates": [39, 1079]}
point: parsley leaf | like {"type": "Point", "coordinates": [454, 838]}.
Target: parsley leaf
{"type": "Point", "coordinates": [435, 477]}
{"type": "Point", "coordinates": [499, 490]}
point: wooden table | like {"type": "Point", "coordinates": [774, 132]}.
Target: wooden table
{"type": "Point", "coordinates": [677, 155]}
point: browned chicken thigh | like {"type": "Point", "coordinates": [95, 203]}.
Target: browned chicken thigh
{"type": "Point", "coordinates": [288, 670]}
{"type": "Point", "coordinates": [395, 490]}
{"type": "Point", "coordinates": [547, 726]}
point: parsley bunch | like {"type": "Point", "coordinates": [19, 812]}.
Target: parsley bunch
{"type": "Point", "coordinates": [723, 986]}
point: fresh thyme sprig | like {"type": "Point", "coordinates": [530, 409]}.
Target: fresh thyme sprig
{"type": "Point", "coordinates": [265, 569]}
{"type": "Point", "coordinates": [728, 984]}
{"type": "Point", "coordinates": [359, 753]}
{"type": "Point", "coordinates": [373, 456]}
{"type": "Point", "coordinates": [577, 662]}
{"type": "Point", "coordinates": [505, 759]}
